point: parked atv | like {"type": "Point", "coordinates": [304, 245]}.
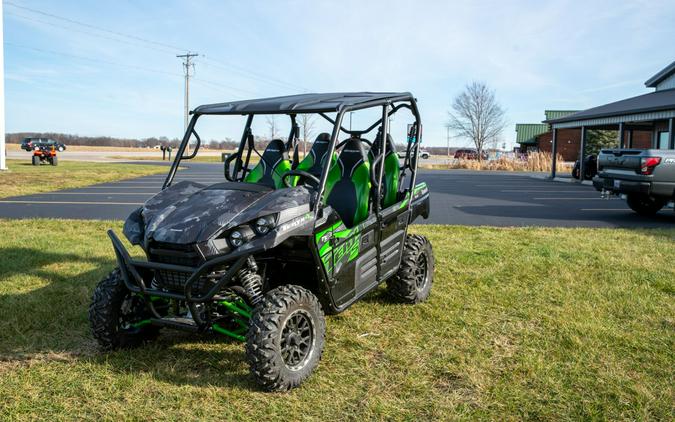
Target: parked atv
{"type": "Point", "coordinates": [262, 256]}
{"type": "Point", "coordinates": [44, 154]}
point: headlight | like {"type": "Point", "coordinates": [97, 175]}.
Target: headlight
{"type": "Point", "coordinates": [263, 225]}
{"type": "Point", "coordinates": [236, 238]}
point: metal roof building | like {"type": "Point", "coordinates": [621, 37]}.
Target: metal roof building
{"type": "Point", "coordinates": [526, 133]}
{"type": "Point", "coordinates": [654, 112]}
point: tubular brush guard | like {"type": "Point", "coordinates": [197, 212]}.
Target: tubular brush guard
{"type": "Point", "coordinates": [134, 281]}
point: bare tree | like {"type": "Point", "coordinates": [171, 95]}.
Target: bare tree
{"type": "Point", "coordinates": [476, 115]}
{"type": "Point", "coordinates": [306, 122]}
{"type": "Point", "coordinates": [272, 126]}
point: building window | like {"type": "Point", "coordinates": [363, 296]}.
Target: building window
{"type": "Point", "coordinates": [663, 140]}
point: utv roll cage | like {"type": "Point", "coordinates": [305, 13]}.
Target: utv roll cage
{"type": "Point", "coordinates": [321, 104]}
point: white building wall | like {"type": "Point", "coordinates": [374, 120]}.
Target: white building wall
{"type": "Point", "coordinates": [667, 83]}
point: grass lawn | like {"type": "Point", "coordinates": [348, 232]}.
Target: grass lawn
{"type": "Point", "coordinates": [23, 178]}
{"type": "Point", "coordinates": [527, 323]}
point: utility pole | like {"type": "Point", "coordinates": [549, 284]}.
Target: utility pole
{"type": "Point", "coordinates": [3, 164]}
{"type": "Point", "coordinates": [447, 137]}
{"type": "Point", "coordinates": [188, 66]}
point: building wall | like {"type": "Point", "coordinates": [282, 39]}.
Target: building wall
{"type": "Point", "coordinates": [667, 83]}
{"type": "Point", "coordinates": [569, 141]}
{"type": "Point", "coordinates": [641, 139]}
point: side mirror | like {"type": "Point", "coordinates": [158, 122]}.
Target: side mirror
{"type": "Point", "coordinates": [227, 162]}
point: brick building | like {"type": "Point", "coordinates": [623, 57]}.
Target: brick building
{"type": "Point", "coordinates": [645, 121]}
{"type": "Point", "coordinates": [534, 137]}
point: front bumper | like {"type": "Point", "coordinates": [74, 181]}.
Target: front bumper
{"type": "Point", "coordinates": [138, 275]}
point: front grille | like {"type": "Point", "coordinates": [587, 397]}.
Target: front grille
{"type": "Point", "coordinates": [176, 254]}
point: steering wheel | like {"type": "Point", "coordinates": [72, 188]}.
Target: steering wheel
{"type": "Point", "coordinates": [300, 173]}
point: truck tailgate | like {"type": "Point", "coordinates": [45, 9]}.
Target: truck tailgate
{"type": "Point", "coordinates": [620, 161]}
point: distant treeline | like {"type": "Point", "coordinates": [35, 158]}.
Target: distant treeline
{"type": "Point", "coordinates": [107, 141]}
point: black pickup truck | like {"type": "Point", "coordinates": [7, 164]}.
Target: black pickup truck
{"type": "Point", "coordinates": [646, 177]}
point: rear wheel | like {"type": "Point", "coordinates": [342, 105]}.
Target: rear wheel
{"type": "Point", "coordinates": [118, 317]}
{"type": "Point", "coordinates": [412, 283]}
{"type": "Point", "coordinates": [36, 160]}
{"type": "Point", "coordinates": [285, 338]}
{"type": "Point", "coordinates": [55, 161]}
{"type": "Point", "coordinates": [645, 204]}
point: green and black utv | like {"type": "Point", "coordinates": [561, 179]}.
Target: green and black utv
{"type": "Point", "coordinates": [263, 255]}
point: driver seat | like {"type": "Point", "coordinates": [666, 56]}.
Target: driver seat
{"type": "Point", "coordinates": [273, 164]}
{"type": "Point", "coordinates": [350, 195]}
{"type": "Point", "coordinates": [390, 179]}
{"type": "Point", "coordinates": [313, 161]}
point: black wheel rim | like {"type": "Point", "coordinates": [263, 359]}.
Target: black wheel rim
{"type": "Point", "coordinates": [421, 273]}
{"type": "Point", "coordinates": [297, 339]}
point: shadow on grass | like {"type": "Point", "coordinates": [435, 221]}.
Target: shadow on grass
{"type": "Point", "coordinates": [50, 322]}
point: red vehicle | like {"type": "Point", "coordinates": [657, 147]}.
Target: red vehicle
{"type": "Point", "coordinates": [468, 154]}
{"type": "Point", "coordinates": [45, 155]}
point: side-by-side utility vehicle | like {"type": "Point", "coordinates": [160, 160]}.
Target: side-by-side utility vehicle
{"type": "Point", "coordinates": [263, 255]}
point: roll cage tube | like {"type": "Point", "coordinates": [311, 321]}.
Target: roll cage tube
{"type": "Point", "coordinates": [337, 128]}
{"type": "Point", "coordinates": [181, 150]}
{"type": "Point", "coordinates": [408, 102]}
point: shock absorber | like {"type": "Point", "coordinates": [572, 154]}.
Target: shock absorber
{"type": "Point", "coordinates": [251, 281]}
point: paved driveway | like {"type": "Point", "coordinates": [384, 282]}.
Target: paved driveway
{"type": "Point", "coordinates": [458, 197]}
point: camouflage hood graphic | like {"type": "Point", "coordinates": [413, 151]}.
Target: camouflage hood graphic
{"type": "Point", "coordinates": [189, 212]}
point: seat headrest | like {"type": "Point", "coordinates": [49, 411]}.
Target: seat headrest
{"type": "Point", "coordinates": [320, 146]}
{"type": "Point", "coordinates": [352, 155]}
{"type": "Point", "coordinates": [275, 149]}
{"type": "Point", "coordinates": [322, 137]}
{"type": "Point", "coordinates": [378, 142]}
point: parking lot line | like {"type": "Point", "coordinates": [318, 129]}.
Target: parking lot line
{"type": "Point", "coordinates": [548, 191]}
{"type": "Point", "coordinates": [569, 199]}
{"type": "Point", "coordinates": [69, 202]}
{"type": "Point", "coordinates": [604, 209]}
{"type": "Point", "coordinates": [112, 187]}
{"type": "Point", "coordinates": [94, 193]}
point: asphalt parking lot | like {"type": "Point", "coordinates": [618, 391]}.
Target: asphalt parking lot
{"type": "Point", "coordinates": [458, 197]}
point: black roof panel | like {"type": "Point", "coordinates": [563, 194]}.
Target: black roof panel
{"type": "Point", "coordinates": [301, 103]}
{"type": "Point", "coordinates": [653, 101]}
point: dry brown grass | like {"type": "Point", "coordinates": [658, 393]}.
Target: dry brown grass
{"type": "Point", "coordinates": [537, 161]}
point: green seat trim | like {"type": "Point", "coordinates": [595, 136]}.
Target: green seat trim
{"type": "Point", "coordinates": [272, 166]}
{"type": "Point", "coordinates": [349, 195]}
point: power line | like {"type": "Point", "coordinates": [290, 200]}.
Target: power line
{"type": "Point", "coordinates": [253, 75]}
{"type": "Point", "coordinates": [223, 88]}
{"type": "Point", "coordinates": [51, 15]}
{"type": "Point", "coordinates": [164, 46]}
{"type": "Point", "coordinates": [71, 28]}
{"type": "Point", "coordinates": [61, 53]}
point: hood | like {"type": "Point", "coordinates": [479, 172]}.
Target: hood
{"type": "Point", "coordinates": [190, 212]}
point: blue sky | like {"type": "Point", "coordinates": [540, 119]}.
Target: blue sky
{"type": "Point", "coordinates": [65, 77]}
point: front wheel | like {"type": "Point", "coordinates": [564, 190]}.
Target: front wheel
{"type": "Point", "coordinates": [118, 317]}
{"type": "Point", "coordinates": [285, 338]}
{"type": "Point", "coordinates": [412, 283]}
{"type": "Point", "coordinates": [644, 204]}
